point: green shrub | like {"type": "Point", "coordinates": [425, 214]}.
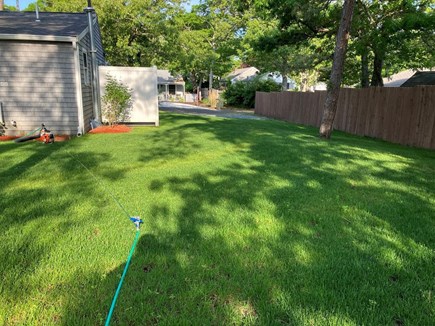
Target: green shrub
{"type": "Point", "coordinates": [242, 93]}
{"type": "Point", "coordinates": [205, 101]}
{"type": "Point", "coordinates": [117, 102]}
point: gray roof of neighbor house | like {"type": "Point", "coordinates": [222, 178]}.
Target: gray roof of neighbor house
{"type": "Point", "coordinates": [243, 73]}
{"type": "Point", "coordinates": [398, 79]}
{"type": "Point", "coordinates": [50, 23]}
{"type": "Point", "coordinates": [420, 78]}
{"type": "Point", "coordinates": [165, 77]}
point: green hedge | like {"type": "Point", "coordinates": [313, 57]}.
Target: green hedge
{"type": "Point", "coordinates": [242, 93]}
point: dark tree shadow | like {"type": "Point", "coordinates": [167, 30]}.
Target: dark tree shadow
{"type": "Point", "coordinates": [37, 214]}
{"type": "Point", "coordinates": [247, 242]}
{"type": "Point", "coordinates": [297, 271]}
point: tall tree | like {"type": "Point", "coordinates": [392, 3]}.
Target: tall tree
{"type": "Point", "coordinates": [208, 41]}
{"type": "Point", "coordinates": [223, 19]}
{"type": "Point", "coordinates": [192, 59]}
{"type": "Point", "coordinates": [295, 34]}
{"type": "Point", "coordinates": [135, 32]}
{"type": "Point", "coordinates": [389, 36]}
{"type": "Point", "coordinates": [330, 106]}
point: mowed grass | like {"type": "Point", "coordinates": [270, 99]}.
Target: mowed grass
{"type": "Point", "coordinates": [245, 222]}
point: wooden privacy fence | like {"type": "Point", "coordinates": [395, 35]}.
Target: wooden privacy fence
{"type": "Point", "coordinates": [399, 115]}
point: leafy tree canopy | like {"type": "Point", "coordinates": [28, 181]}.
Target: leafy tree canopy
{"type": "Point", "coordinates": [292, 37]}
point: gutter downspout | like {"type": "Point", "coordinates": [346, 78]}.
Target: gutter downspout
{"type": "Point", "coordinates": [2, 122]}
{"type": "Point", "coordinates": [79, 97]}
{"type": "Point", "coordinates": [95, 85]}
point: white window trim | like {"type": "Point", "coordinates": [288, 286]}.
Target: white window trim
{"type": "Point", "coordinates": [86, 68]}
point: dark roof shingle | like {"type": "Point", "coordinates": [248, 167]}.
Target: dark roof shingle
{"type": "Point", "coordinates": [420, 78]}
{"type": "Point", "coordinates": [51, 23]}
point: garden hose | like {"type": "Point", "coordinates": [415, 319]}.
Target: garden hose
{"type": "Point", "coordinates": [137, 222]}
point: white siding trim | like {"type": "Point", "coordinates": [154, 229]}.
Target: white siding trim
{"type": "Point", "coordinates": [79, 98]}
{"type": "Point", "coordinates": [83, 34]}
{"type": "Point", "coordinates": [48, 38]}
{"type": "Point", "coordinates": [86, 31]}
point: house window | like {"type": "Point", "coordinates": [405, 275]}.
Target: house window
{"type": "Point", "coordinates": [86, 70]}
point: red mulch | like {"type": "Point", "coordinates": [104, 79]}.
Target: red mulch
{"type": "Point", "coordinates": [110, 129]}
{"type": "Point", "coordinates": [60, 138]}
{"type": "Point", "coordinates": [57, 138]}
{"type": "Point", "coordinates": [6, 138]}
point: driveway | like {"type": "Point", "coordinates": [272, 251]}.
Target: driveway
{"type": "Point", "coordinates": [198, 110]}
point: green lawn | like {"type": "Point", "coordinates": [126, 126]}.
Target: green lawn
{"type": "Point", "coordinates": [245, 222]}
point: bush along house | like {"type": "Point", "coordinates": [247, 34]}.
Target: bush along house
{"type": "Point", "coordinates": [49, 71]}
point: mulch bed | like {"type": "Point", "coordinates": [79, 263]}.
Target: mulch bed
{"type": "Point", "coordinates": [57, 138]}
{"type": "Point", "coordinates": [7, 138]}
{"type": "Point", "coordinates": [60, 138]}
{"type": "Point", "coordinates": [110, 129]}
{"type": "Point", "coordinates": [116, 129]}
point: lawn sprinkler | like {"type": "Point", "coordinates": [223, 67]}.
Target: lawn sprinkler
{"type": "Point", "coordinates": [137, 221]}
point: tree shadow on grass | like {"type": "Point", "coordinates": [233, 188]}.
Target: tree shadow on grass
{"type": "Point", "coordinates": [297, 274]}
{"type": "Point", "coordinates": [39, 194]}
{"type": "Point", "coordinates": [250, 244]}
{"type": "Point", "coordinates": [247, 242]}
{"type": "Point", "coordinates": [283, 152]}
{"type": "Point", "coordinates": [171, 144]}
{"type": "Point", "coordinates": [41, 188]}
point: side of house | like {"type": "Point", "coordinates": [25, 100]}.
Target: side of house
{"type": "Point", "coordinates": [37, 85]}
{"type": "Point", "coordinates": [46, 72]}
{"type": "Point", "coordinates": [84, 78]}
{"type": "Point", "coordinates": [169, 86]}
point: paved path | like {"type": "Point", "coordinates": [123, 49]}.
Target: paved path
{"type": "Point", "coordinates": [198, 110]}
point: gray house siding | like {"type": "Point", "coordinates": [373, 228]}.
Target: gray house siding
{"type": "Point", "coordinates": [38, 85]}
{"type": "Point", "coordinates": [46, 72]}
{"type": "Point", "coordinates": [98, 44]}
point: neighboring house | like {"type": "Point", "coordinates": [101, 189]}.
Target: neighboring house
{"type": "Point", "coordinates": [48, 71]}
{"type": "Point", "coordinates": [243, 74]}
{"type": "Point", "coordinates": [169, 86]}
{"type": "Point", "coordinates": [249, 73]}
{"type": "Point", "coordinates": [277, 78]}
{"type": "Point", "coordinates": [420, 78]}
{"type": "Point", "coordinates": [397, 80]}
{"type": "Point", "coordinates": [319, 86]}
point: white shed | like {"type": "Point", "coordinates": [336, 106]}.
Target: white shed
{"type": "Point", "coordinates": [143, 82]}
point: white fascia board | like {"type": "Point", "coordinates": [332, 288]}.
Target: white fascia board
{"type": "Point", "coordinates": [45, 38]}
{"type": "Point", "coordinates": [83, 34]}
{"type": "Point", "coordinates": [86, 31]}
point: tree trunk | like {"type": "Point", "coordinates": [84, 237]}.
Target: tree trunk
{"type": "Point", "coordinates": [365, 69]}
{"type": "Point", "coordinates": [304, 81]}
{"type": "Point", "coordinates": [210, 80]}
{"type": "Point", "coordinates": [198, 92]}
{"type": "Point", "coordinates": [378, 63]}
{"type": "Point", "coordinates": [2, 5]}
{"type": "Point", "coordinates": [193, 79]}
{"type": "Point", "coordinates": [330, 106]}
{"type": "Point", "coordinates": [284, 82]}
